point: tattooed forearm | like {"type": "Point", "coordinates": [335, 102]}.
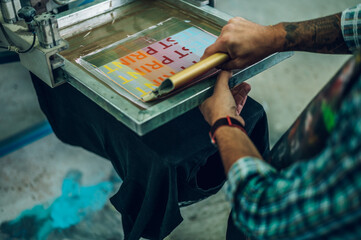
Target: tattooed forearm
{"type": "Point", "coordinates": [322, 35]}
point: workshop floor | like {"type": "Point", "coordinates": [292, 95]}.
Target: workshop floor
{"type": "Point", "coordinates": [37, 180]}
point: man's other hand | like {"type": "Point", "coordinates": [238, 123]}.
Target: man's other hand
{"type": "Point", "coordinates": [225, 102]}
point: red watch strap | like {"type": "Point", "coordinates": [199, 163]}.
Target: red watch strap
{"type": "Point", "coordinates": [227, 121]}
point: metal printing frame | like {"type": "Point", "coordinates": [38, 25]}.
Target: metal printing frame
{"type": "Point", "coordinates": [139, 120]}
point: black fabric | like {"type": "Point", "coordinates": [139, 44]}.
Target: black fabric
{"type": "Point", "coordinates": [161, 170]}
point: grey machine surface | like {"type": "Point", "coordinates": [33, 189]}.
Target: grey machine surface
{"type": "Point", "coordinates": [64, 35]}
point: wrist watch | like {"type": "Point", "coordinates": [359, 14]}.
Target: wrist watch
{"type": "Point", "coordinates": [227, 121]}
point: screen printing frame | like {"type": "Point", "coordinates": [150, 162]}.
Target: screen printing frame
{"type": "Point", "coordinates": [142, 121]}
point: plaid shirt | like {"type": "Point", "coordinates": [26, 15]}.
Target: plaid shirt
{"type": "Point", "coordinates": [319, 198]}
{"type": "Point", "coordinates": [351, 27]}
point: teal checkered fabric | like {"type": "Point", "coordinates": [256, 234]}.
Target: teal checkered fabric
{"type": "Point", "coordinates": [351, 27]}
{"type": "Point", "coordinates": [317, 198]}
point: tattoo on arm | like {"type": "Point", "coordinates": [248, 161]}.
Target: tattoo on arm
{"type": "Point", "coordinates": [322, 35]}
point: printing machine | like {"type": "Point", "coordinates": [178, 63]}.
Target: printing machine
{"type": "Point", "coordinates": [49, 35]}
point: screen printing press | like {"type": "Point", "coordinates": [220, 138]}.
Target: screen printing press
{"type": "Point", "coordinates": [63, 41]}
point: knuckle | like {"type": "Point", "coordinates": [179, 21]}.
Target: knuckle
{"type": "Point", "coordinates": [228, 28]}
{"type": "Point", "coordinates": [231, 20]}
{"type": "Point", "coordinates": [226, 39]}
{"type": "Point", "coordinates": [234, 19]}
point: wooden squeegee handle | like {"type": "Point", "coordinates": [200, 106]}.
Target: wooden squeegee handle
{"type": "Point", "coordinates": [181, 78]}
{"type": "Point", "coordinates": [198, 69]}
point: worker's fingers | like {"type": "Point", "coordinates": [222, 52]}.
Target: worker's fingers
{"type": "Point", "coordinates": [240, 93]}
{"type": "Point", "coordinates": [214, 48]}
{"type": "Point", "coordinates": [222, 82]}
{"type": "Point", "coordinates": [237, 63]}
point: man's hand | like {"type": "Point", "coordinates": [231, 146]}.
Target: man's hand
{"type": "Point", "coordinates": [246, 42]}
{"type": "Point", "coordinates": [225, 102]}
{"type": "Point", "coordinates": [232, 142]}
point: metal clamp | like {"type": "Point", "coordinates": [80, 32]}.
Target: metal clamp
{"type": "Point", "coordinates": [43, 59]}
{"type": "Point", "coordinates": [46, 27]}
{"type": "Point", "coordinates": [9, 9]}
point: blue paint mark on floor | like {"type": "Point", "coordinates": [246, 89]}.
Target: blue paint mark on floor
{"type": "Point", "coordinates": [74, 205]}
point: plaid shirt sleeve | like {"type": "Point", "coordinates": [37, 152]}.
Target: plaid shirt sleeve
{"type": "Point", "coordinates": [351, 27]}
{"type": "Point", "coordinates": [311, 199]}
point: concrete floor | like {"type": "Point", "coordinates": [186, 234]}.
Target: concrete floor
{"type": "Point", "coordinates": [33, 175]}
